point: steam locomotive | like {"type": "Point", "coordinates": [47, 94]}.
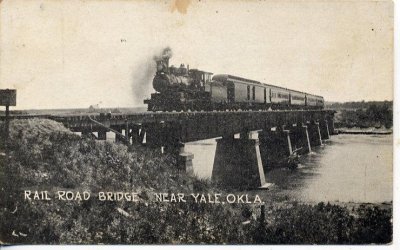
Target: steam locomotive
{"type": "Point", "coordinates": [183, 89]}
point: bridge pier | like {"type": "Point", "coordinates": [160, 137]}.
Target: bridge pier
{"type": "Point", "coordinates": [141, 135]}
{"type": "Point", "coordinates": [88, 134]}
{"type": "Point", "coordinates": [161, 134]}
{"type": "Point", "coordinates": [243, 135]}
{"type": "Point", "coordinates": [118, 138]}
{"type": "Point", "coordinates": [102, 135]}
{"type": "Point", "coordinates": [237, 163]}
{"type": "Point", "coordinates": [154, 134]}
{"type": "Point", "coordinates": [164, 135]}
{"type": "Point", "coordinates": [275, 147]}
{"type": "Point", "coordinates": [331, 125]}
{"type": "Point", "coordinates": [300, 138]}
{"type": "Point", "coordinates": [184, 160]}
{"type": "Point", "coordinates": [314, 134]}
{"type": "Point", "coordinates": [323, 127]}
{"type": "Point", "coordinates": [134, 133]}
{"type": "Point", "coordinates": [127, 132]}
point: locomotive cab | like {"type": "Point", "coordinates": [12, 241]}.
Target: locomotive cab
{"type": "Point", "coordinates": [201, 79]}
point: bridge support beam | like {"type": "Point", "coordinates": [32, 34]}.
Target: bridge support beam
{"type": "Point", "coordinates": [237, 164]}
{"type": "Point", "coordinates": [300, 139]}
{"type": "Point", "coordinates": [88, 134]}
{"type": "Point", "coordinates": [314, 134]}
{"type": "Point", "coordinates": [127, 131]}
{"type": "Point", "coordinates": [153, 135]}
{"type": "Point", "coordinates": [102, 135]}
{"type": "Point", "coordinates": [118, 138]}
{"type": "Point", "coordinates": [161, 134]}
{"type": "Point", "coordinates": [134, 133]}
{"type": "Point", "coordinates": [142, 135]}
{"type": "Point", "coordinates": [244, 135]}
{"type": "Point", "coordinates": [323, 127]}
{"type": "Point", "coordinates": [331, 125]}
{"type": "Point", "coordinates": [275, 148]}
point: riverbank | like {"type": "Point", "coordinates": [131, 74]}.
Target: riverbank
{"type": "Point", "coordinates": [45, 156]}
{"type": "Point", "coordinates": [364, 115]}
{"type": "Point", "coordinates": [364, 131]}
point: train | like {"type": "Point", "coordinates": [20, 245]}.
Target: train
{"type": "Point", "coordinates": [184, 89]}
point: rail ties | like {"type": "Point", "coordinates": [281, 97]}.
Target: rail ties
{"type": "Point", "coordinates": [249, 116]}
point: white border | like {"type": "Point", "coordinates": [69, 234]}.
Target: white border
{"type": "Point", "coordinates": [396, 176]}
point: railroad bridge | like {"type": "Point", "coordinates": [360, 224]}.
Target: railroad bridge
{"type": "Point", "coordinates": [239, 160]}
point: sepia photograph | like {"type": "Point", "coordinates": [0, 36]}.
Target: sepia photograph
{"type": "Point", "coordinates": [196, 122]}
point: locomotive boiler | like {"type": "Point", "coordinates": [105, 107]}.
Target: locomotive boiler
{"type": "Point", "coordinates": [183, 89]}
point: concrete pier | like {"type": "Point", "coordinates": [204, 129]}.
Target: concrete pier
{"type": "Point", "coordinates": [314, 134]}
{"type": "Point", "coordinates": [275, 148]}
{"type": "Point", "coordinates": [300, 138]}
{"type": "Point", "coordinates": [323, 127]}
{"type": "Point", "coordinates": [184, 160]}
{"type": "Point", "coordinates": [237, 164]}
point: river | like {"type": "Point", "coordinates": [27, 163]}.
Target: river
{"type": "Point", "coordinates": [346, 168]}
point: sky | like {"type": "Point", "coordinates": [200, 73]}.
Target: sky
{"type": "Point", "coordinates": [73, 54]}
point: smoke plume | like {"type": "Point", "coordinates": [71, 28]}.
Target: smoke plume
{"type": "Point", "coordinates": [144, 73]}
{"type": "Point", "coordinates": [165, 53]}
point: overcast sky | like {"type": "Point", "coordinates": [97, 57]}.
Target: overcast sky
{"type": "Point", "coordinates": [68, 54]}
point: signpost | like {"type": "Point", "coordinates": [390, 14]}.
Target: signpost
{"type": "Point", "coordinates": [8, 97]}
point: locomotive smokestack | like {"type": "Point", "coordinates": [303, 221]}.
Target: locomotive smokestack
{"type": "Point", "coordinates": [162, 60]}
{"type": "Point", "coordinates": [166, 55]}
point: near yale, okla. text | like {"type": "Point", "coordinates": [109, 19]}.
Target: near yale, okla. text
{"type": "Point", "coordinates": [215, 198]}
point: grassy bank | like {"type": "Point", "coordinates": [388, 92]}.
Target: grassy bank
{"type": "Point", "coordinates": [43, 155]}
